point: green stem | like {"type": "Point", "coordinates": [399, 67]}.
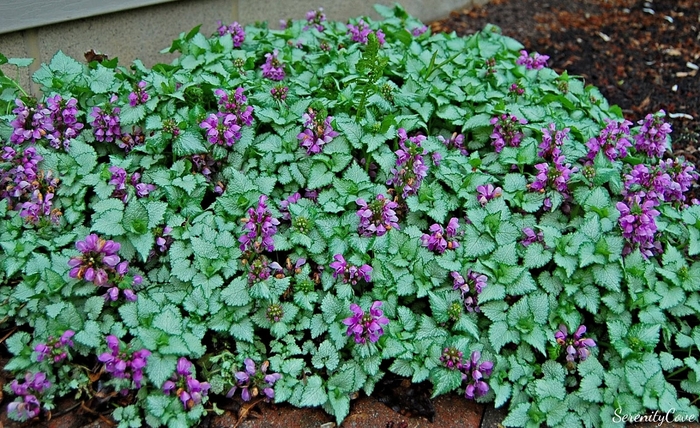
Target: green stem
{"type": "Point", "coordinates": [448, 60]}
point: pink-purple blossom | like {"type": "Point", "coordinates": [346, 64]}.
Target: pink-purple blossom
{"type": "Point", "coordinates": [613, 140]}
{"type": "Point", "coordinates": [55, 348]}
{"type": "Point", "coordinates": [487, 192]}
{"type": "Point", "coordinates": [638, 223]}
{"type": "Point", "coordinates": [235, 30]}
{"type": "Point", "coordinates": [273, 68]}
{"type": "Point", "coordinates": [252, 381]}
{"type": "Point", "coordinates": [318, 132]}
{"type": "Point", "coordinates": [189, 390]}
{"type": "Point", "coordinates": [456, 141]}
{"type": "Point", "coordinates": [221, 129]}
{"type": "Point", "coordinates": [31, 123]}
{"type": "Point", "coordinates": [653, 135]}
{"type": "Point", "coordinates": [360, 33]}
{"type": "Point", "coordinates": [576, 346]}
{"type": "Point", "coordinates": [65, 122]}
{"type": "Point", "coordinates": [377, 217]}
{"type": "Point", "coordinates": [368, 325]}
{"type": "Point", "coordinates": [349, 273]}
{"type": "Point", "coordinates": [259, 227]}
{"type": "Point", "coordinates": [506, 131]}
{"type": "Point", "coordinates": [470, 287]}
{"type": "Point", "coordinates": [124, 363]}
{"type": "Point", "coordinates": [533, 61]}
{"type": "Point", "coordinates": [474, 372]}
{"type": "Point", "coordinates": [139, 95]}
{"type": "Point", "coordinates": [552, 141]}
{"type": "Point", "coordinates": [441, 239]}
{"type": "Point", "coordinates": [315, 19]}
{"type": "Point", "coordinates": [410, 167]}
{"type": "Point", "coordinates": [105, 122]}
{"type": "Point", "coordinates": [28, 407]}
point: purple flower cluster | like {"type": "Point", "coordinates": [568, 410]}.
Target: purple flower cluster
{"type": "Point", "coordinates": [124, 364]}
{"type": "Point", "coordinates": [251, 381]}
{"type": "Point", "coordinates": [613, 141]}
{"type": "Point", "coordinates": [653, 135]}
{"type": "Point", "coordinates": [119, 180]}
{"type": "Point", "coordinates": [552, 141]}
{"type": "Point", "coordinates": [260, 226]}
{"type": "Point", "coordinates": [32, 123]}
{"type": "Point", "coordinates": [441, 239]}
{"type": "Point", "coordinates": [27, 188]}
{"type": "Point", "coordinates": [576, 345]}
{"type": "Point", "coordinates": [533, 61]}
{"type": "Point", "coordinates": [473, 371]}
{"type": "Point", "coordinates": [273, 68]}
{"type": "Point", "coordinates": [555, 175]}
{"type": "Point", "coordinates": [55, 348]}
{"type": "Point", "coordinates": [139, 96]}
{"type": "Point", "coordinates": [418, 31]}
{"type": "Point", "coordinates": [259, 269]}
{"type": "Point", "coordinates": [235, 30]}
{"type": "Point", "coordinates": [637, 221]}
{"type": "Point", "coordinates": [284, 205]}
{"type": "Point", "coordinates": [470, 288]}
{"type": "Point", "coordinates": [531, 236]}
{"type": "Point", "coordinates": [129, 140]}
{"type": "Point", "coordinates": [188, 389]}
{"type": "Point", "coordinates": [410, 168]}
{"type": "Point", "coordinates": [29, 406]}
{"type": "Point", "coordinates": [315, 19]}
{"type": "Point", "coordinates": [487, 193]}
{"type": "Point", "coordinates": [377, 217]}
{"type": "Point", "coordinates": [506, 131]}
{"type": "Point", "coordinates": [65, 121]}
{"type": "Point", "coordinates": [350, 274]}
{"type": "Point", "coordinates": [105, 122]}
{"type": "Point", "coordinates": [366, 325]}
{"type": "Point", "coordinates": [360, 33]}
{"type": "Point", "coordinates": [236, 104]}
{"type": "Point", "coordinates": [317, 134]}
{"type": "Point", "coordinates": [516, 89]}
{"type": "Point", "coordinates": [456, 141]}
{"type": "Point", "coordinates": [682, 175]}
{"type": "Point", "coordinates": [221, 129]}
{"type": "Point", "coordinates": [100, 264]}
{"type": "Point", "coordinates": [279, 92]}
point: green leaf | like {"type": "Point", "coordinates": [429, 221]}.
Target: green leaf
{"type": "Point", "coordinates": [156, 211]}
{"type": "Point", "coordinates": [314, 392]}
{"type": "Point", "coordinates": [204, 248]}
{"type": "Point", "coordinates": [90, 335]}
{"type": "Point", "coordinates": [243, 330]}
{"type": "Point", "coordinates": [445, 380]}
{"type": "Point", "coordinates": [132, 115]}
{"type": "Point", "coordinates": [189, 143]}
{"type": "Point", "coordinates": [518, 416]}
{"type": "Point", "coordinates": [17, 342]}
{"type": "Point", "coordinates": [101, 80]}
{"type": "Point", "coordinates": [608, 276]}
{"type": "Point", "coordinates": [236, 293]}
{"type": "Point", "coordinates": [536, 256]}
{"type": "Point", "coordinates": [160, 368]}
{"type": "Point", "coordinates": [477, 121]}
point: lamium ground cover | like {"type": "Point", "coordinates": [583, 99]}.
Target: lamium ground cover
{"type": "Point", "coordinates": [292, 214]}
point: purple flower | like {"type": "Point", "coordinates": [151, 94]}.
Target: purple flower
{"type": "Point", "coordinates": [260, 226]}
{"type": "Point", "coordinates": [364, 326]}
{"type": "Point", "coordinates": [533, 61]}
{"type": "Point", "coordinates": [98, 256]}
{"type": "Point", "coordinates": [30, 123]}
{"type": "Point", "coordinates": [284, 205]}
{"type": "Point", "coordinates": [348, 273]}
{"type": "Point", "coordinates": [613, 141]}
{"type": "Point", "coordinates": [474, 372]}
{"type": "Point", "coordinates": [506, 131]}
{"type": "Point", "coordinates": [470, 287]}
{"type": "Point", "coordinates": [441, 239]}
{"type": "Point", "coordinates": [456, 141]}
{"type": "Point", "coordinates": [531, 237]}
{"type": "Point", "coordinates": [360, 33]}
{"type": "Point", "coordinates": [576, 346]}
{"type": "Point", "coordinates": [682, 175]}
{"type": "Point", "coordinates": [555, 176]}
{"type": "Point", "coordinates": [235, 103]}
{"type": "Point", "coordinates": [124, 364]}
{"type": "Point", "coordinates": [273, 68]}
{"type": "Point", "coordinates": [452, 358]}
{"type": "Point", "coordinates": [315, 19]}
{"type": "Point", "coordinates": [317, 133]}
{"type": "Point", "coordinates": [377, 217]}
{"type": "Point", "coordinates": [410, 169]}
{"type": "Point", "coordinates": [516, 89]}
{"type": "Point", "coordinates": [28, 407]}
{"type": "Point", "coordinates": [235, 30]}
{"type": "Point", "coordinates": [139, 96]}
{"type": "Point", "coordinates": [105, 122]}
{"type": "Point", "coordinates": [279, 92]}
{"type": "Point", "coordinates": [221, 129]}
{"type": "Point", "coordinates": [652, 138]}
{"type": "Point", "coordinates": [188, 389]}
{"type": "Point", "coordinates": [417, 31]}
{"type": "Point", "coordinates": [65, 122]}
{"type": "Point", "coordinates": [55, 348]}
{"type": "Point", "coordinates": [487, 193]}
{"type": "Point", "coordinates": [637, 221]}
{"type": "Point", "coordinates": [552, 140]}
{"type": "Point", "coordinates": [24, 410]}
{"type": "Point", "coordinates": [251, 381]}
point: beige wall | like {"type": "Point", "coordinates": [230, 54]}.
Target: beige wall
{"type": "Point", "coordinates": [143, 32]}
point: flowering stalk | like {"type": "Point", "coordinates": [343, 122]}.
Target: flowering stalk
{"type": "Point", "coordinates": [366, 325]}
{"type": "Point", "coordinates": [188, 389]}
{"type": "Point", "coordinates": [252, 381]}
{"type": "Point", "coordinates": [637, 221]}
{"type": "Point", "coordinates": [56, 349]}
{"type": "Point", "coordinates": [273, 68]}
{"type": "Point", "coordinates": [235, 30]}
{"type": "Point", "coordinates": [377, 217]}
{"type": "Point", "coordinates": [441, 239]}
{"type": "Point", "coordinates": [487, 193]}
{"type": "Point", "coordinates": [119, 180]}
{"type": "Point", "coordinates": [350, 274]}
{"type": "Point", "coordinates": [533, 61]}
{"type": "Point", "coordinates": [317, 134]}
{"type": "Point", "coordinates": [652, 138]}
{"type": "Point", "coordinates": [124, 364]}
{"type": "Point", "coordinates": [470, 287]}
{"type": "Point", "coordinates": [139, 95]}
{"type": "Point", "coordinates": [260, 227]}
{"type": "Point", "coordinates": [32, 123]}
{"type": "Point", "coordinates": [613, 141]}
{"type": "Point", "coordinates": [65, 122]}
{"type": "Point", "coordinates": [506, 131]}
{"type": "Point", "coordinates": [360, 33]}
{"type": "Point", "coordinates": [456, 141]}
{"type": "Point", "coordinates": [315, 19]}
{"type": "Point", "coordinates": [105, 122]}
{"type": "Point", "coordinates": [576, 346]}
{"type": "Point", "coordinates": [410, 168]}
{"type": "Point", "coordinates": [28, 407]}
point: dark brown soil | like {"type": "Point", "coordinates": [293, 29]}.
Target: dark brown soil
{"type": "Point", "coordinates": [643, 55]}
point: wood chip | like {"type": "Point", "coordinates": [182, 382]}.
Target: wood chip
{"type": "Point", "coordinates": [604, 36]}
{"type": "Point", "coordinates": [692, 66]}
{"type": "Point", "coordinates": [680, 116]}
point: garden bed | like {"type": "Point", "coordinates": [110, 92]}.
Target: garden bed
{"type": "Point", "coordinates": [375, 211]}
